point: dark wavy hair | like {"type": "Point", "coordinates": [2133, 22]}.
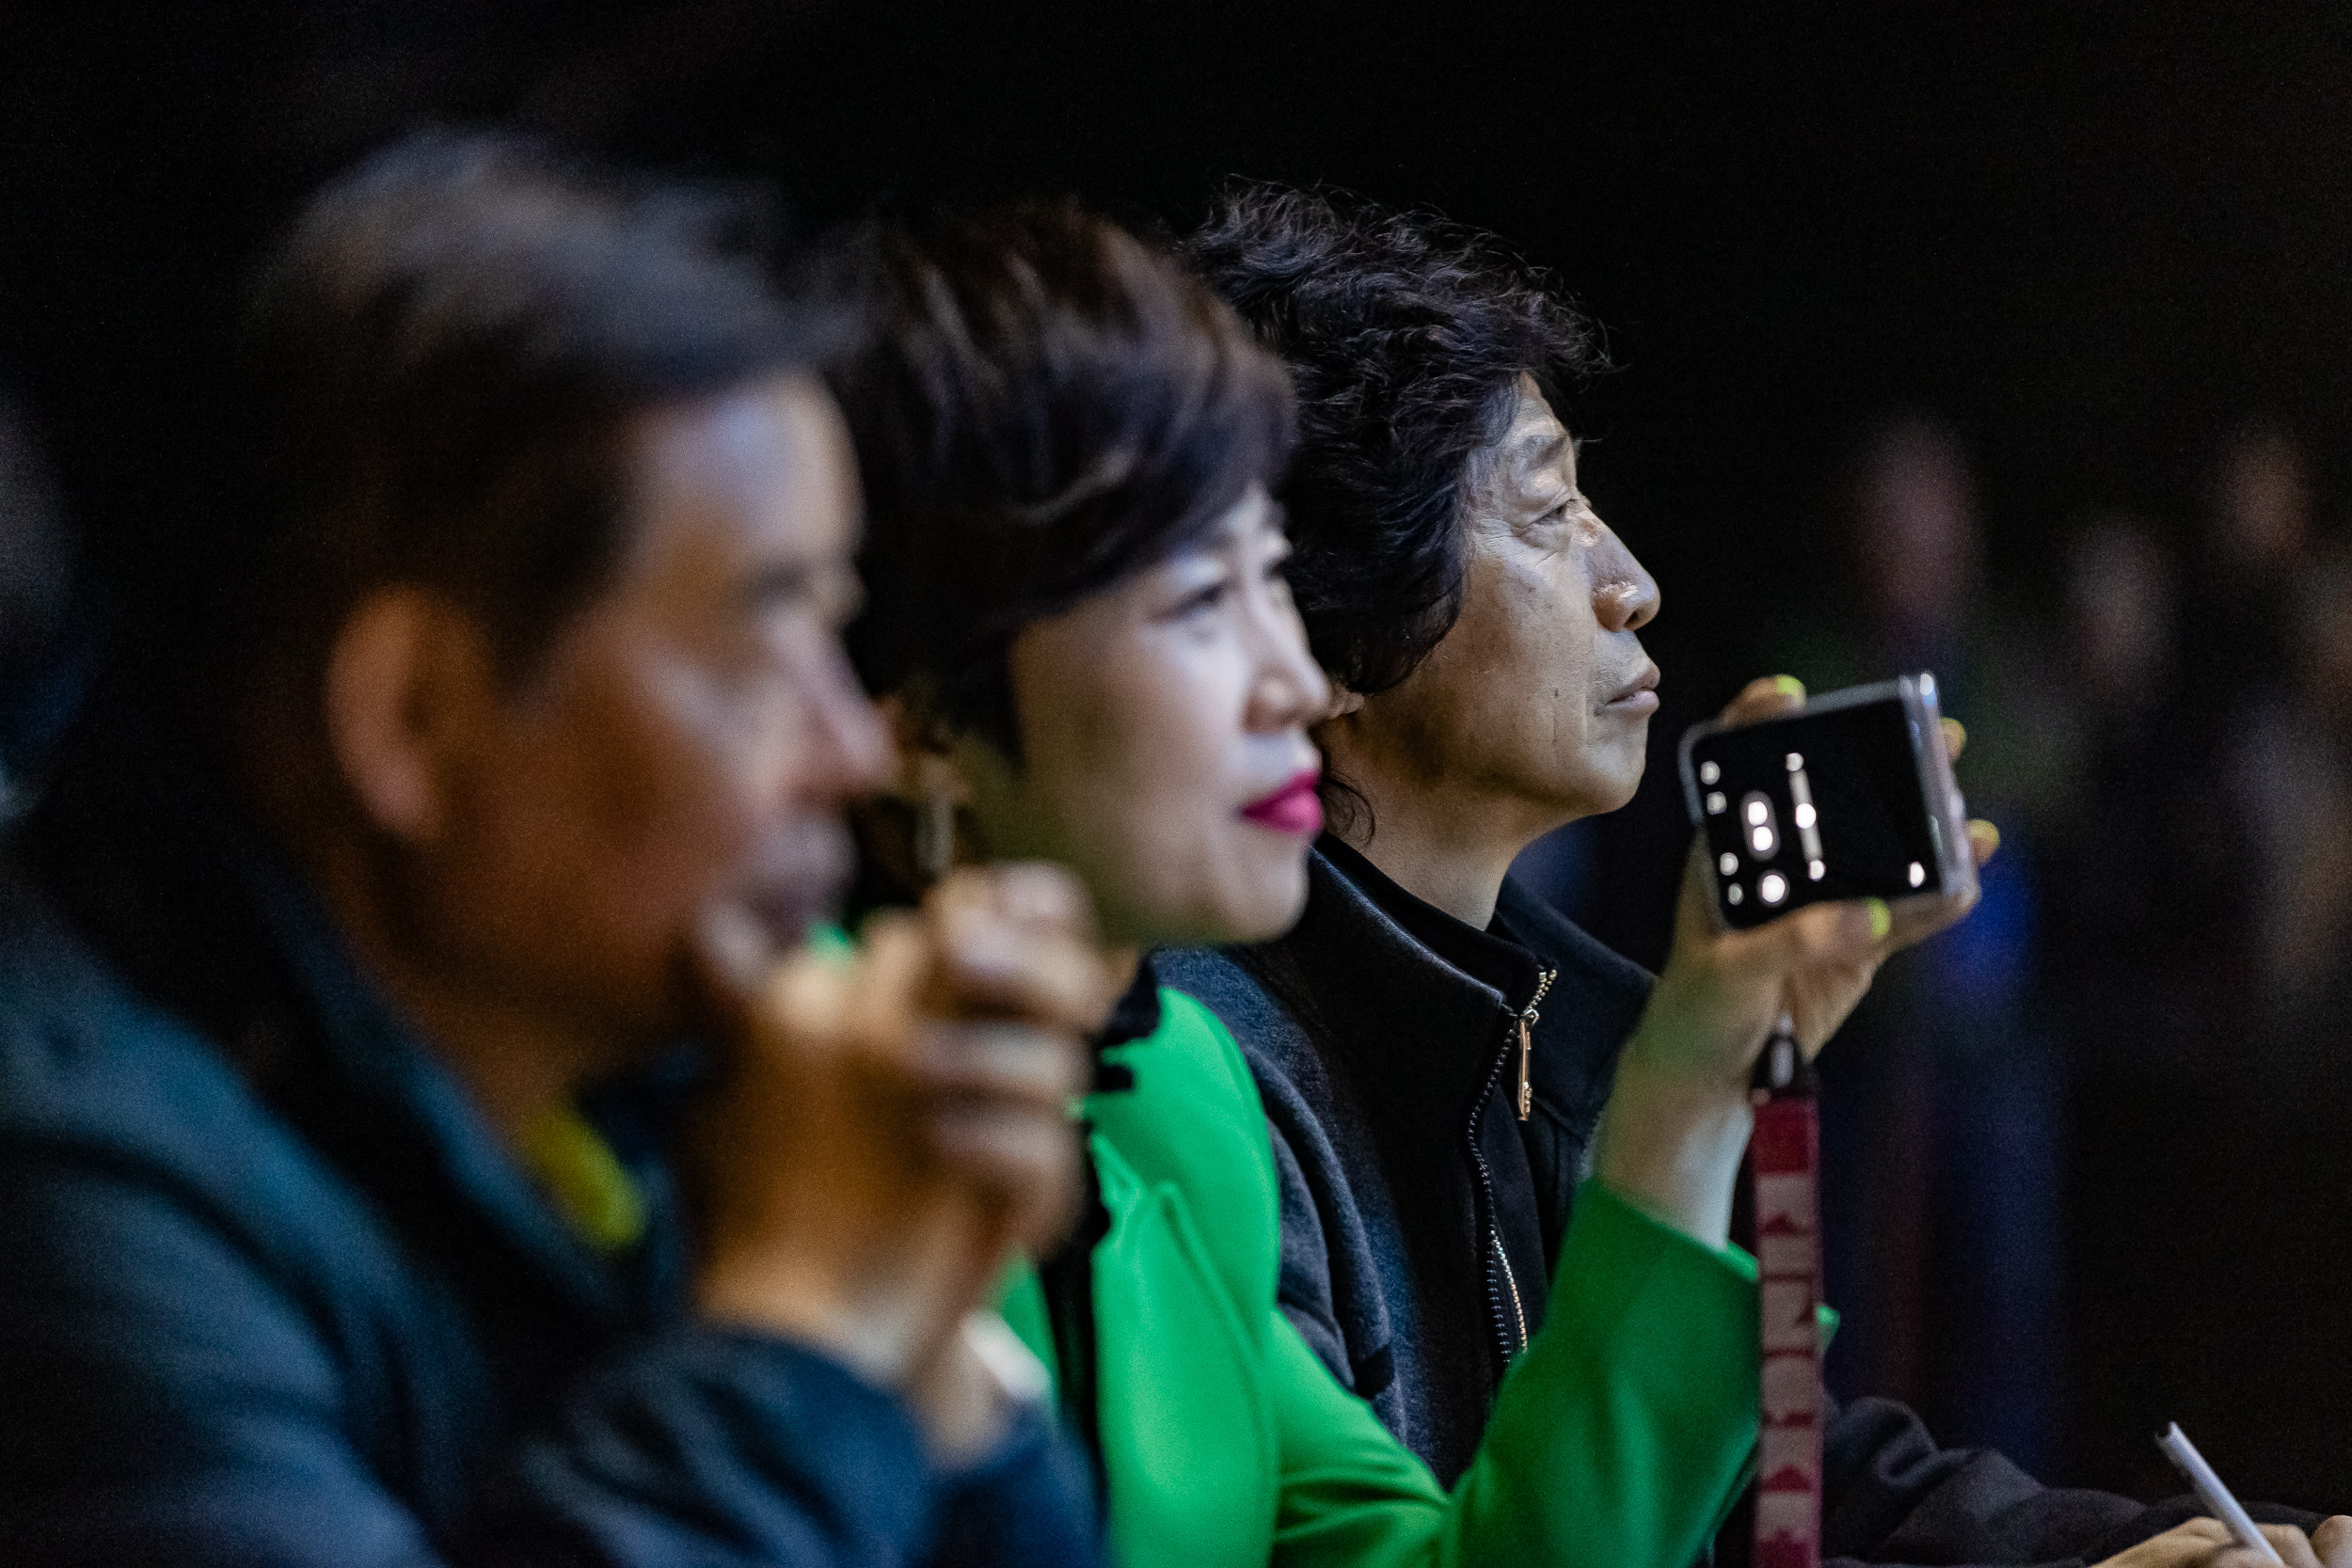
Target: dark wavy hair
{"type": "Point", "coordinates": [1406, 335]}
{"type": "Point", "coordinates": [1042, 407]}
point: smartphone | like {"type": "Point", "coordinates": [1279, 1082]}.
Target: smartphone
{"type": "Point", "coordinates": [1851, 798]}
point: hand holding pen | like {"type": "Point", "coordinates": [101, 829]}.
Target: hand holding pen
{"type": "Point", "coordinates": [2230, 1539]}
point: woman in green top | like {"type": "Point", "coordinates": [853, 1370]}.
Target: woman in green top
{"type": "Point", "coordinates": [1079, 623]}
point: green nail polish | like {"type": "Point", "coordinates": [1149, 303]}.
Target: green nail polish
{"type": "Point", "coordinates": [1881, 918]}
{"type": "Point", "coordinates": [1789, 686]}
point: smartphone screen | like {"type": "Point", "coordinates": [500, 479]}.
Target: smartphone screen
{"type": "Point", "coordinates": [1825, 804]}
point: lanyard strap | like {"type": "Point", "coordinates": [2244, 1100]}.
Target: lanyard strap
{"type": "Point", "coordinates": [1786, 1159]}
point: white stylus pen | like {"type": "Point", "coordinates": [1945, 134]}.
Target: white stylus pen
{"type": "Point", "coordinates": [2215, 1497]}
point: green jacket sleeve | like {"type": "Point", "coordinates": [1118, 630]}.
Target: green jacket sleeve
{"type": "Point", "coordinates": [1619, 1440]}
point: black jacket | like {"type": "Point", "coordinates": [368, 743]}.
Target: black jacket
{"type": "Point", "coordinates": [276, 1294]}
{"type": "Point", "coordinates": [1414, 1201]}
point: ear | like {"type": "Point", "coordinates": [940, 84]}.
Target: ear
{"type": "Point", "coordinates": [403, 667]}
{"type": "Point", "coordinates": [1344, 703]}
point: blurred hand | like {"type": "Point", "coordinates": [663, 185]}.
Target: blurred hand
{"type": "Point", "coordinates": [1672, 1134]}
{"type": "Point", "coordinates": [2205, 1544]}
{"type": "Point", "coordinates": [890, 1127]}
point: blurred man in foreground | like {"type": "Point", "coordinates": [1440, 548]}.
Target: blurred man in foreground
{"type": "Point", "coordinates": [347, 1151]}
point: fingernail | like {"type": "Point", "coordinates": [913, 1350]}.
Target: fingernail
{"type": "Point", "coordinates": [1788, 686]}
{"type": "Point", "coordinates": [1881, 918]}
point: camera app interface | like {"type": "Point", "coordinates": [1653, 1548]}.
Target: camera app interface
{"type": "Point", "coordinates": [1822, 806]}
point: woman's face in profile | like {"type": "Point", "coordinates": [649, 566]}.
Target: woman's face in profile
{"type": "Point", "coordinates": [1163, 751]}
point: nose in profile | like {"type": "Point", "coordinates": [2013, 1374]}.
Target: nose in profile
{"type": "Point", "coordinates": [1289, 688]}
{"type": "Point", "coordinates": [848, 741]}
{"type": "Point", "coordinates": [1625, 595]}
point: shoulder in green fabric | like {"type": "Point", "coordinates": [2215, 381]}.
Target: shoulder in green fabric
{"type": "Point", "coordinates": [1193, 1121]}
{"type": "Point", "coordinates": [1620, 1439]}
{"type": "Point", "coordinates": [1183, 1285]}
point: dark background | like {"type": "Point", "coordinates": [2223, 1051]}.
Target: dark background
{"type": "Point", "coordinates": [2095, 239]}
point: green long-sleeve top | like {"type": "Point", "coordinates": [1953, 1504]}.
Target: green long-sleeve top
{"type": "Point", "coordinates": [1620, 1439]}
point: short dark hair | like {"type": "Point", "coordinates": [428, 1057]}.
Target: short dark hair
{"type": "Point", "coordinates": [442, 353]}
{"type": "Point", "coordinates": [1043, 407]}
{"type": "Point", "coordinates": [1404, 335]}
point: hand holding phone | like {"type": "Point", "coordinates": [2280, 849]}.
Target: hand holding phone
{"type": "Point", "coordinates": [1849, 795]}
{"type": "Point", "coordinates": [1672, 1134]}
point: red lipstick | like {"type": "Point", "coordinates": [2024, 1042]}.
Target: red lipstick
{"type": "Point", "coordinates": [1292, 809]}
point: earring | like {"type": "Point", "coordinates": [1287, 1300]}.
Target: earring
{"type": "Point", "coordinates": [935, 837]}
{"type": "Point", "coordinates": [935, 820]}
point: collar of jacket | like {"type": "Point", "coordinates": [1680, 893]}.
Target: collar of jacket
{"type": "Point", "coordinates": [1067, 1274]}
{"type": "Point", "coordinates": [1418, 1025]}
{"type": "Point", "coordinates": [1489, 954]}
{"type": "Point", "coordinates": [142, 851]}
{"type": "Point", "coordinates": [1429, 1054]}
{"type": "Point", "coordinates": [1133, 1017]}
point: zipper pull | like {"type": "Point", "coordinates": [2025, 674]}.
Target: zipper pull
{"type": "Point", "coordinates": [1527, 1040]}
{"type": "Point", "coordinates": [1527, 1089]}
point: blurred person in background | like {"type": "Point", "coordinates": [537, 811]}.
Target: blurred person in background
{"type": "Point", "coordinates": [1943, 1116]}
{"type": "Point", "coordinates": [2294, 774]}
{"type": "Point", "coordinates": [2239, 688]}
{"type": "Point", "coordinates": [1481, 625]}
{"type": "Point", "coordinates": [2269, 645]}
{"type": "Point", "coordinates": [2205, 965]}
{"type": "Point", "coordinates": [2257, 535]}
{"type": "Point", "coordinates": [1081, 622]}
{"type": "Point", "coordinates": [2120, 944]}
{"type": "Point", "coordinates": [2191, 955]}
{"type": "Point", "coordinates": [2272, 1090]}
{"type": "Point", "coordinates": [2127, 971]}
{"type": "Point", "coordinates": [366, 1201]}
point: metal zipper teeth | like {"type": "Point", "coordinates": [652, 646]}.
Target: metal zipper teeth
{"type": "Point", "coordinates": [1524, 1020]}
{"type": "Point", "coordinates": [1494, 1231]}
{"type": "Point", "coordinates": [1543, 989]}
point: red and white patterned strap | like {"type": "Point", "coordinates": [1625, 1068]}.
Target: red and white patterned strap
{"type": "Point", "coordinates": [1786, 1159]}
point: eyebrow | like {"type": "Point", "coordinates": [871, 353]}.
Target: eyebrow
{"type": "Point", "coordinates": [1272, 518]}
{"type": "Point", "coordinates": [1551, 447]}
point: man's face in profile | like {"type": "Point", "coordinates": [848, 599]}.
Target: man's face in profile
{"type": "Point", "coordinates": [1540, 694]}
{"type": "Point", "coordinates": [688, 738]}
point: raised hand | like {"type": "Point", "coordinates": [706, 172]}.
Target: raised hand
{"type": "Point", "coordinates": [1670, 1136]}
{"type": "Point", "coordinates": [890, 1125]}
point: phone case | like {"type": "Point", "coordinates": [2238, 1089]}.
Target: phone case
{"type": "Point", "coordinates": [1851, 798]}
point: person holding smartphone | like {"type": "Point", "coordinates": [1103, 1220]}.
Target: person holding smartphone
{"type": "Point", "coordinates": [1080, 621]}
{"type": "Point", "coordinates": [1442, 1056]}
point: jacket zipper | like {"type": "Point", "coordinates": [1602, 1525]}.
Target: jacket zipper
{"type": "Point", "coordinates": [1528, 1018]}
{"type": "Point", "coordinates": [1520, 1023]}
{"type": "Point", "coordinates": [1502, 1325]}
